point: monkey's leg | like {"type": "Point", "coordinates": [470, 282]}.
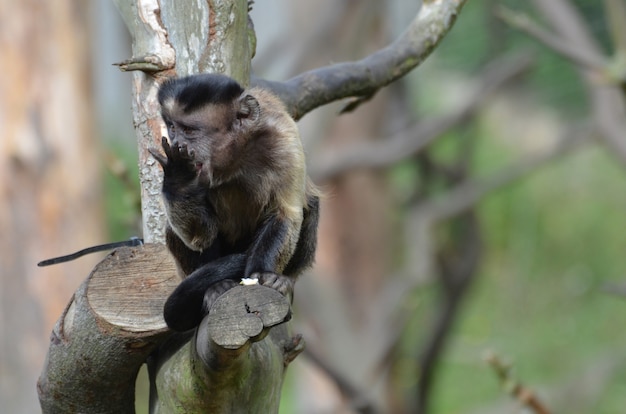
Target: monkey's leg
{"type": "Point", "coordinates": [304, 254]}
{"type": "Point", "coordinates": [184, 309]}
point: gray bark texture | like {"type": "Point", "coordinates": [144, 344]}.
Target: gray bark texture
{"type": "Point", "coordinates": [235, 361]}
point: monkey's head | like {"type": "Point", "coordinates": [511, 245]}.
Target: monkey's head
{"type": "Point", "coordinates": [215, 118]}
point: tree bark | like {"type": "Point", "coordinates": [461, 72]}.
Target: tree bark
{"type": "Point", "coordinates": [173, 38]}
{"type": "Point", "coordinates": [107, 331]}
{"type": "Point", "coordinates": [114, 322]}
{"type": "Point", "coordinates": [204, 374]}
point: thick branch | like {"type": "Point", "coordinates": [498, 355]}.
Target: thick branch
{"type": "Point", "coordinates": [363, 78]}
{"type": "Point", "coordinates": [243, 337]}
{"type": "Point", "coordinates": [115, 321]}
{"type": "Point", "coordinates": [106, 332]}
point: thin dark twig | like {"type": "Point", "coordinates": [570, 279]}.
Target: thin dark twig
{"type": "Point", "coordinates": [457, 270]}
{"type": "Point", "coordinates": [516, 389]}
{"type": "Point", "coordinates": [357, 397]}
{"type": "Point", "coordinates": [582, 57]}
{"type": "Point", "coordinates": [607, 101]}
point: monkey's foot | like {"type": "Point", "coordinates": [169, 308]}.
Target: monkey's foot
{"type": "Point", "coordinates": [215, 291]}
{"type": "Point", "coordinates": [283, 284]}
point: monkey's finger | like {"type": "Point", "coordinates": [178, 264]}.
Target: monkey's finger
{"type": "Point", "coordinates": [158, 156]}
{"type": "Point", "coordinates": [166, 146]}
{"type": "Point", "coordinates": [184, 152]}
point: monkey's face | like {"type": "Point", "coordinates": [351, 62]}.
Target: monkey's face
{"type": "Point", "coordinates": [217, 136]}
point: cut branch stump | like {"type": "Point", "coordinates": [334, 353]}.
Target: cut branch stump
{"type": "Point", "coordinates": [114, 323]}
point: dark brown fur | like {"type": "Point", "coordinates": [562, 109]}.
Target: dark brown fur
{"type": "Point", "coordinates": [235, 190]}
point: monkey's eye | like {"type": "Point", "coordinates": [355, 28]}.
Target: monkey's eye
{"type": "Point", "coordinates": [188, 130]}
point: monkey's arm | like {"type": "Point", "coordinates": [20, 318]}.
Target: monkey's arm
{"type": "Point", "coordinates": [185, 308]}
{"type": "Point", "coordinates": [192, 299]}
{"type": "Point", "coordinates": [189, 260]}
{"type": "Point", "coordinates": [273, 251]}
{"type": "Point", "coordinates": [190, 215]}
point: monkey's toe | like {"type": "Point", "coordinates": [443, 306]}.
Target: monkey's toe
{"type": "Point", "coordinates": [215, 291]}
{"type": "Point", "coordinates": [283, 284]}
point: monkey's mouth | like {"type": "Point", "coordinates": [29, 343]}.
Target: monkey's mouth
{"type": "Point", "coordinates": [198, 166]}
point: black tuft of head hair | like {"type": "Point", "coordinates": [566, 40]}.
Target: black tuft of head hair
{"type": "Point", "coordinates": [195, 91]}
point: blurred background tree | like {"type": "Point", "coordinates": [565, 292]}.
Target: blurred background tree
{"type": "Point", "coordinates": [50, 180]}
{"type": "Point", "coordinates": [422, 267]}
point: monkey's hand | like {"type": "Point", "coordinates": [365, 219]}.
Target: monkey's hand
{"type": "Point", "coordinates": [178, 163]}
{"type": "Point", "coordinates": [281, 283]}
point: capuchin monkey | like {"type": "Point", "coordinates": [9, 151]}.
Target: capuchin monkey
{"type": "Point", "coordinates": [237, 197]}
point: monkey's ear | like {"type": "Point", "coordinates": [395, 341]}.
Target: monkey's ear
{"type": "Point", "coordinates": [249, 109]}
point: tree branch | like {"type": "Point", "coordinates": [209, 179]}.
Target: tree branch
{"type": "Point", "coordinates": [519, 391]}
{"type": "Point", "coordinates": [115, 321]}
{"type": "Point", "coordinates": [580, 56]}
{"type": "Point", "coordinates": [363, 78]}
{"type": "Point", "coordinates": [607, 101]}
{"type": "Point", "coordinates": [467, 194]}
{"type": "Point", "coordinates": [106, 333]}
{"type": "Point", "coordinates": [243, 337]}
{"type": "Point", "coordinates": [382, 153]}
{"type": "Point", "coordinates": [457, 271]}
{"type": "Point", "coordinates": [360, 402]}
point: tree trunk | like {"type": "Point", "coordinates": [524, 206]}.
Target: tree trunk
{"type": "Point", "coordinates": [200, 371]}
{"type": "Point", "coordinates": [235, 360]}
{"type": "Point", "coordinates": [49, 180]}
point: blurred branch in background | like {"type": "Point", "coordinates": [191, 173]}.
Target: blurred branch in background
{"type": "Point", "coordinates": [363, 78]}
{"type": "Point", "coordinates": [573, 39]}
{"type": "Point", "coordinates": [585, 58]}
{"type": "Point", "coordinates": [525, 396]}
{"type": "Point", "coordinates": [358, 399]}
{"type": "Point", "coordinates": [395, 281]}
{"type": "Point", "coordinates": [386, 152]}
{"type": "Point", "coordinates": [469, 193]}
{"type": "Point", "coordinates": [299, 55]}
{"type": "Point", "coordinates": [458, 260]}
{"type": "Point", "coordinates": [458, 255]}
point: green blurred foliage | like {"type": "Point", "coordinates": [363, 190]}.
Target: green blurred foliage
{"type": "Point", "coordinates": [478, 36]}
{"type": "Point", "coordinates": [122, 191]}
{"type": "Point", "coordinates": [553, 242]}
